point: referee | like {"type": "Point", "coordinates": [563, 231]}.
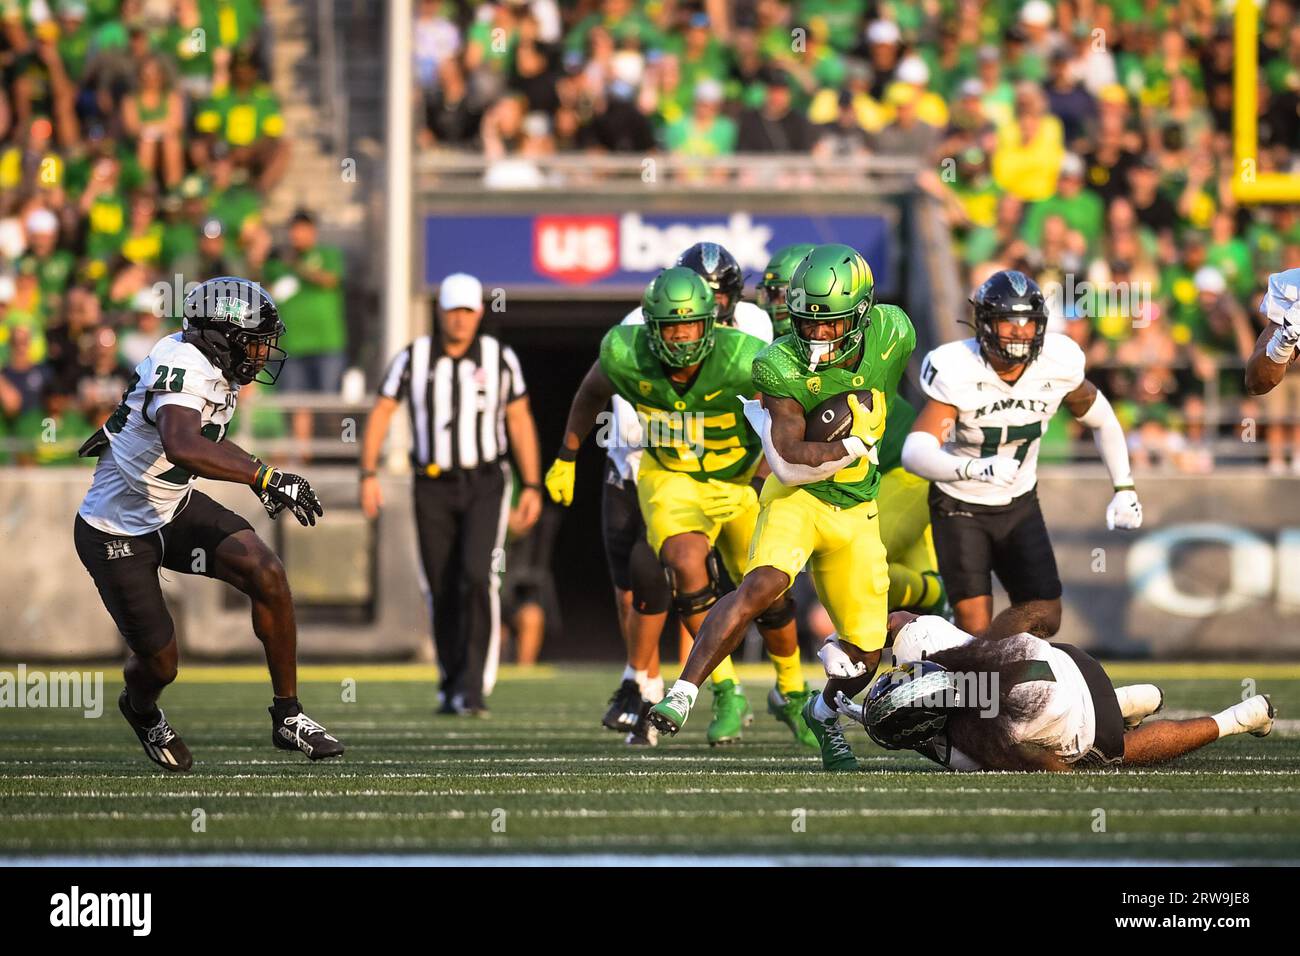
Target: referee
{"type": "Point", "coordinates": [465, 395]}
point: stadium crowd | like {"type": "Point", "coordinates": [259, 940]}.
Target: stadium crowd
{"type": "Point", "coordinates": [138, 141]}
{"type": "Point", "coordinates": [1086, 142]}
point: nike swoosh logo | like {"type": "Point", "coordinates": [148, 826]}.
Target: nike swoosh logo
{"type": "Point", "coordinates": [888, 352]}
{"type": "Point", "coordinates": [709, 398]}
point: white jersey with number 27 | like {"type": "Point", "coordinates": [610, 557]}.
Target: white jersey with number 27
{"type": "Point", "coordinates": [998, 418]}
{"type": "Point", "coordinates": [136, 490]}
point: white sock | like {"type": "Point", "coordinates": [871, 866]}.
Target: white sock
{"type": "Point", "coordinates": [629, 673]}
{"type": "Point", "coordinates": [1235, 719]}
{"type": "Point", "coordinates": [687, 688]}
{"type": "Point", "coordinates": [653, 689]}
{"type": "Point", "coordinates": [822, 710]}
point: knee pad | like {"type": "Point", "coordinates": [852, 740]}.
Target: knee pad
{"type": "Point", "coordinates": [696, 602]}
{"type": "Point", "coordinates": [779, 614]}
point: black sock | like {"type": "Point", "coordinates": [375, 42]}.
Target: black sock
{"type": "Point", "coordinates": [283, 704]}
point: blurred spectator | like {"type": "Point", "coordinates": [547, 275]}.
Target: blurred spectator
{"type": "Point", "coordinates": [706, 132]}
{"type": "Point", "coordinates": [306, 281]}
{"type": "Point", "coordinates": [1029, 150]}
{"type": "Point", "coordinates": [153, 116]}
{"type": "Point", "coordinates": [246, 116]}
{"type": "Point", "coordinates": [774, 127]}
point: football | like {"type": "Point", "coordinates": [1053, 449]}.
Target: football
{"type": "Point", "coordinates": [832, 420]}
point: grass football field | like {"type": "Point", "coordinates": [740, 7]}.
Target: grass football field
{"type": "Point", "coordinates": [541, 778]}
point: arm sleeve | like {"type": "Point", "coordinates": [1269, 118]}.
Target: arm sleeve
{"type": "Point", "coordinates": [790, 475]}
{"type": "Point", "coordinates": [923, 457]}
{"type": "Point", "coordinates": [1109, 436]}
{"type": "Point", "coordinates": [397, 377]}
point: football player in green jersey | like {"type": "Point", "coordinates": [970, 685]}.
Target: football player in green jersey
{"type": "Point", "coordinates": [686, 377]}
{"type": "Point", "coordinates": [818, 506]}
{"type": "Point", "coordinates": [776, 279]}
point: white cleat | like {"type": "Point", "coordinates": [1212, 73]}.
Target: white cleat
{"type": "Point", "coordinates": [1255, 715]}
{"type": "Point", "coordinates": [1137, 702]}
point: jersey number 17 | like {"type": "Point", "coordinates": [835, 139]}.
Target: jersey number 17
{"type": "Point", "coordinates": [1025, 435]}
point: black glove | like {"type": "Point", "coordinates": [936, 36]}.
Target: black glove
{"type": "Point", "coordinates": [279, 490]}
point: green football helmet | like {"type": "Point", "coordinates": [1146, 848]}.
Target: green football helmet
{"type": "Point", "coordinates": [831, 283]}
{"type": "Point", "coordinates": [776, 279]}
{"type": "Point", "coordinates": [673, 296]}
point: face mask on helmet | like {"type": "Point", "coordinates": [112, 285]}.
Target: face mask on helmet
{"type": "Point", "coordinates": [909, 705]}
{"type": "Point", "coordinates": [827, 340]}
{"type": "Point", "coordinates": [257, 359]}
{"type": "Point", "coordinates": [1003, 337]}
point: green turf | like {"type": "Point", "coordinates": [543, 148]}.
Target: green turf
{"type": "Point", "coordinates": [411, 782]}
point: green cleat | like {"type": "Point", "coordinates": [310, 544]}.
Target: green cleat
{"type": "Point", "coordinates": [788, 709]}
{"type": "Point", "coordinates": [669, 714]}
{"type": "Point", "coordinates": [836, 752]}
{"type": "Point", "coordinates": [731, 713]}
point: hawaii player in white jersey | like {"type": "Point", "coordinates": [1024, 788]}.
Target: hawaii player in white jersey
{"type": "Point", "coordinates": [640, 589]}
{"type": "Point", "coordinates": [990, 400]}
{"type": "Point", "coordinates": [1024, 704]}
{"type": "Point", "coordinates": [1278, 344]}
{"type": "Point", "coordinates": [142, 512]}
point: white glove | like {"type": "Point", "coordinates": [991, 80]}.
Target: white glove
{"type": "Point", "coordinates": [837, 663]}
{"type": "Point", "coordinates": [997, 470]}
{"type": "Point", "coordinates": [1124, 511]}
{"type": "Point", "coordinates": [846, 707]}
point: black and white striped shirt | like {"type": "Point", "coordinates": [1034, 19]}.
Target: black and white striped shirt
{"type": "Point", "coordinates": [457, 405]}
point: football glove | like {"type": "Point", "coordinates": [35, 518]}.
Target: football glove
{"type": "Point", "coordinates": [1124, 511]}
{"type": "Point", "coordinates": [861, 442]}
{"type": "Point", "coordinates": [838, 664]}
{"type": "Point", "coordinates": [723, 500]}
{"type": "Point", "coordinates": [996, 470]}
{"type": "Point", "coordinates": [280, 490]}
{"type": "Point", "coordinates": [559, 481]}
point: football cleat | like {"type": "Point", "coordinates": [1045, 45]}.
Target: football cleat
{"type": "Point", "coordinates": [624, 707]}
{"type": "Point", "coordinates": [731, 713]}
{"type": "Point", "coordinates": [161, 743]}
{"type": "Point", "coordinates": [1256, 715]}
{"type": "Point", "coordinates": [670, 714]}
{"type": "Point", "coordinates": [836, 752]}
{"type": "Point", "coordinates": [291, 729]}
{"type": "Point", "coordinates": [643, 734]}
{"type": "Point", "coordinates": [788, 708]}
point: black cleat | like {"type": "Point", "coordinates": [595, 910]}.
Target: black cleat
{"type": "Point", "coordinates": [291, 729]}
{"type": "Point", "coordinates": [644, 733]}
{"type": "Point", "coordinates": [161, 744]}
{"type": "Point", "coordinates": [624, 707]}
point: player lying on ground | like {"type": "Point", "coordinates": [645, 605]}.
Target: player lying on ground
{"type": "Point", "coordinates": [142, 512]}
{"type": "Point", "coordinates": [1024, 704]}
{"type": "Point", "coordinates": [991, 398]}
{"type": "Point", "coordinates": [818, 505]}
{"type": "Point", "coordinates": [684, 376]}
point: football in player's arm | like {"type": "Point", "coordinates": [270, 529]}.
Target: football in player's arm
{"type": "Point", "coordinates": [991, 397]}
{"type": "Point", "coordinates": [142, 512]}
{"type": "Point", "coordinates": [818, 505]}
{"type": "Point", "coordinates": [1276, 348]}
